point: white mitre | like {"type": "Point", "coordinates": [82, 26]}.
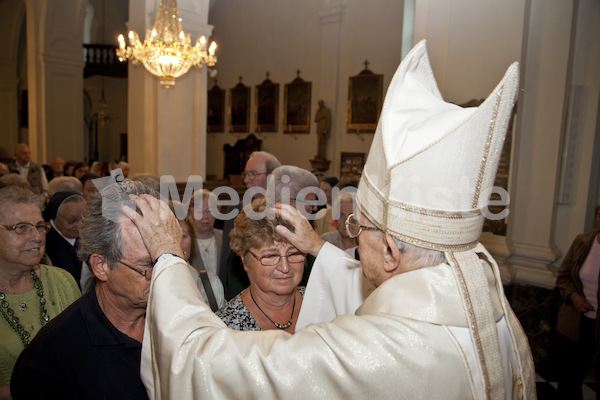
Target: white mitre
{"type": "Point", "coordinates": [432, 164]}
{"type": "Point", "coordinates": [427, 179]}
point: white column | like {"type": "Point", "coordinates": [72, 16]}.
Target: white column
{"type": "Point", "coordinates": [55, 78]}
{"type": "Point", "coordinates": [544, 65]}
{"type": "Point", "coordinates": [329, 73]}
{"type": "Point", "coordinates": [167, 127]}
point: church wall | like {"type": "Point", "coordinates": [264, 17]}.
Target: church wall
{"type": "Point", "coordinates": [283, 36]}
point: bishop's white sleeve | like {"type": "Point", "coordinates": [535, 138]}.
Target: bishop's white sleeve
{"type": "Point", "coordinates": [336, 286]}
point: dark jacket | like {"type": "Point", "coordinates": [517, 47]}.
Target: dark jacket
{"type": "Point", "coordinates": [568, 281]}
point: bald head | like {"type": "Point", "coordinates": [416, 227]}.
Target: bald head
{"type": "Point", "coordinates": [23, 154]}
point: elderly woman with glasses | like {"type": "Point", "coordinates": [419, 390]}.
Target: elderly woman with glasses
{"type": "Point", "coordinates": [30, 293]}
{"type": "Point", "coordinates": [274, 267]}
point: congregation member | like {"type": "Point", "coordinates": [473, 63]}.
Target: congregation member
{"type": "Point", "coordinates": [324, 219]}
{"type": "Point", "coordinates": [339, 237]}
{"type": "Point", "coordinates": [291, 184]}
{"type": "Point", "coordinates": [34, 173]}
{"type": "Point", "coordinates": [31, 293]}
{"type": "Point", "coordinates": [64, 212]}
{"type": "Point", "coordinates": [68, 168]}
{"type": "Point", "coordinates": [208, 240]}
{"type": "Point", "coordinates": [14, 180]}
{"type": "Point", "coordinates": [208, 283]}
{"type": "Point", "coordinates": [438, 324]}
{"type": "Point", "coordinates": [3, 169]}
{"type": "Point", "coordinates": [296, 186]}
{"type": "Point", "coordinates": [56, 168]}
{"type": "Point", "coordinates": [89, 190]}
{"type": "Point", "coordinates": [125, 169]}
{"type": "Point", "coordinates": [274, 267]}
{"type": "Point", "coordinates": [64, 184]}
{"type": "Point", "coordinates": [80, 169]}
{"type": "Point", "coordinates": [577, 325]}
{"type": "Point", "coordinates": [92, 350]}
{"type": "Point", "coordinates": [259, 166]}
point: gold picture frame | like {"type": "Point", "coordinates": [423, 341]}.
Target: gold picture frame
{"type": "Point", "coordinates": [296, 106]}
{"type": "Point", "coordinates": [266, 101]}
{"type": "Point", "coordinates": [364, 101]}
{"type": "Point", "coordinates": [215, 110]}
{"type": "Point", "coordinates": [239, 108]}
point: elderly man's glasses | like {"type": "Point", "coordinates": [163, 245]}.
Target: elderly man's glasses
{"type": "Point", "coordinates": [25, 228]}
{"type": "Point", "coordinates": [353, 228]}
{"type": "Point", "coordinates": [252, 174]}
{"type": "Point", "coordinates": [269, 260]}
{"type": "Point", "coordinates": [146, 272]}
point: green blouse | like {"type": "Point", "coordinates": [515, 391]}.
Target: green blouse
{"type": "Point", "coordinates": [60, 290]}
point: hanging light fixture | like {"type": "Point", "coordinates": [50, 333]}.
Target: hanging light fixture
{"type": "Point", "coordinates": [167, 51]}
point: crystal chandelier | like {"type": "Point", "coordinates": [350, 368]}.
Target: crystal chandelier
{"type": "Point", "coordinates": [167, 51]}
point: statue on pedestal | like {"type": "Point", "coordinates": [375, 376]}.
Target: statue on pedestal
{"type": "Point", "coordinates": [323, 121]}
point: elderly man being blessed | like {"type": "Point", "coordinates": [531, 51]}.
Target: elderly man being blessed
{"type": "Point", "coordinates": [436, 326]}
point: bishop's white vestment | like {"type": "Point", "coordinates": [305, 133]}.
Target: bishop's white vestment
{"type": "Point", "coordinates": [409, 339]}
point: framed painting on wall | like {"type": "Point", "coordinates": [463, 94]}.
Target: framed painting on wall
{"type": "Point", "coordinates": [352, 164]}
{"type": "Point", "coordinates": [215, 110]}
{"type": "Point", "coordinates": [364, 101]}
{"type": "Point", "coordinates": [266, 103]}
{"type": "Point", "coordinates": [296, 107]}
{"type": "Point", "coordinates": [239, 108]}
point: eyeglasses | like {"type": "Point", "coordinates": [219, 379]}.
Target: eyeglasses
{"type": "Point", "coordinates": [270, 260]}
{"type": "Point", "coordinates": [25, 228]}
{"type": "Point", "coordinates": [353, 228]}
{"type": "Point", "coordinates": [252, 174]}
{"type": "Point", "coordinates": [146, 272]}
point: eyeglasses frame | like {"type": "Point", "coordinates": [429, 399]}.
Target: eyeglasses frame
{"type": "Point", "coordinates": [252, 174]}
{"type": "Point", "coordinates": [360, 227]}
{"type": "Point", "coordinates": [144, 273]}
{"type": "Point", "coordinates": [13, 228]}
{"type": "Point", "coordinates": [260, 258]}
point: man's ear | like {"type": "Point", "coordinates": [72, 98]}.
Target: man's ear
{"type": "Point", "coordinates": [392, 255]}
{"type": "Point", "coordinates": [99, 266]}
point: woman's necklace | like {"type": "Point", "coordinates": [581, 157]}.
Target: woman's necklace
{"type": "Point", "coordinates": [209, 243]}
{"type": "Point", "coordinates": [9, 314]}
{"type": "Point", "coordinates": [278, 326]}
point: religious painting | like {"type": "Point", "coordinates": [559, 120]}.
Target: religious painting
{"type": "Point", "coordinates": [266, 103]}
{"type": "Point", "coordinates": [239, 108]}
{"type": "Point", "coordinates": [215, 110]}
{"type": "Point", "coordinates": [364, 101]}
{"type": "Point", "coordinates": [296, 107]}
{"type": "Point", "coordinates": [352, 164]}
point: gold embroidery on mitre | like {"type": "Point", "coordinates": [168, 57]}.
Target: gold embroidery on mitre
{"type": "Point", "coordinates": [486, 153]}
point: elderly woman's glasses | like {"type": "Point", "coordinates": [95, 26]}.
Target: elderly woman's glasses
{"type": "Point", "coordinates": [269, 260]}
{"type": "Point", "coordinates": [25, 228]}
{"type": "Point", "coordinates": [353, 228]}
{"type": "Point", "coordinates": [146, 272]}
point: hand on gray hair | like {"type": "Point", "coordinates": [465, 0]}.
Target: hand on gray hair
{"type": "Point", "coordinates": [304, 238]}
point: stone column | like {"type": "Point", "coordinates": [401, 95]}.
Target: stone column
{"type": "Point", "coordinates": [544, 66]}
{"type": "Point", "coordinates": [329, 70]}
{"type": "Point", "coordinates": [55, 78]}
{"type": "Point", "coordinates": [167, 127]}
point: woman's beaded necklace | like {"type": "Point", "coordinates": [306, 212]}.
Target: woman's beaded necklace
{"type": "Point", "coordinates": [278, 326]}
{"type": "Point", "coordinates": [10, 317]}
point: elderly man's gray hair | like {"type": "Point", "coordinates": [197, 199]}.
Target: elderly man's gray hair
{"type": "Point", "coordinates": [291, 177]}
{"type": "Point", "coordinates": [100, 234]}
{"type": "Point", "coordinates": [271, 162]}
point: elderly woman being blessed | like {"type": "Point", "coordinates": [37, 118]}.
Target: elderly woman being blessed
{"type": "Point", "coordinates": [30, 293]}
{"type": "Point", "coordinates": [274, 267]}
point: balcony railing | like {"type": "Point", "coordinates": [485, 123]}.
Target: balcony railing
{"type": "Point", "coordinates": [101, 59]}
